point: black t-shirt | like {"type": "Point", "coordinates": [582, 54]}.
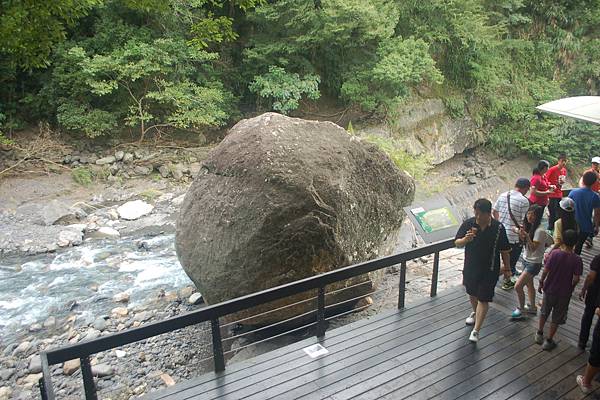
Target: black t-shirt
{"type": "Point", "coordinates": [478, 253]}
{"type": "Point", "coordinates": [594, 288]}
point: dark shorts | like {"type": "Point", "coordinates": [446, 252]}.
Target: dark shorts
{"type": "Point", "coordinates": [556, 305]}
{"type": "Point", "coordinates": [482, 288]}
{"type": "Point", "coordinates": [594, 359]}
{"type": "Point", "coordinates": [532, 268]}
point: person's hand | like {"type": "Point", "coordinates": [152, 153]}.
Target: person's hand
{"type": "Point", "coordinates": [471, 233]}
{"type": "Point", "coordinates": [541, 287]}
{"type": "Point", "coordinates": [552, 187]}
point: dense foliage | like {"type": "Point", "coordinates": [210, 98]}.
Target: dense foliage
{"type": "Point", "coordinates": [98, 67]}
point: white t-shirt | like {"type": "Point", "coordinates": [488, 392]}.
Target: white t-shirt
{"type": "Point", "coordinates": [518, 205]}
{"type": "Point", "coordinates": [537, 256]}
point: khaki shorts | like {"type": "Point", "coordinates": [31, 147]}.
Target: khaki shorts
{"type": "Point", "coordinates": [556, 305]}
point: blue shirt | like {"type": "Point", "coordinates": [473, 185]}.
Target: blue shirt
{"type": "Point", "coordinates": [585, 201]}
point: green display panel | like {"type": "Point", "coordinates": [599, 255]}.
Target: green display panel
{"type": "Point", "coordinates": [436, 219]}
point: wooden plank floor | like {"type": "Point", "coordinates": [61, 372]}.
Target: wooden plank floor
{"type": "Point", "coordinates": [421, 352]}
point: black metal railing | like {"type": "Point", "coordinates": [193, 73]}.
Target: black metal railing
{"type": "Point", "coordinates": [82, 351]}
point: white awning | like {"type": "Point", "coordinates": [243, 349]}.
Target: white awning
{"type": "Point", "coordinates": [584, 108]}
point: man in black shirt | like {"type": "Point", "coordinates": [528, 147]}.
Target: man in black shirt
{"type": "Point", "coordinates": [593, 365]}
{"type": "Point", "coordinates": [589, 292]}
{"type": "Point", "coordinates": [484, 240]}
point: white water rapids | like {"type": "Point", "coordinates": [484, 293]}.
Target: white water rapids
{"type": "Point", "coordinates": [34, 288]}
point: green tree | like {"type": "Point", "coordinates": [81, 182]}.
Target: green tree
{"type": "Point", "coordinates": [30, 29]}
{"type": "Point", "coordinates": [149, 86]}
{"type": "Point", "coordinates": [400, 65]}
{"type": "Point", "coordinates": [284, 90]}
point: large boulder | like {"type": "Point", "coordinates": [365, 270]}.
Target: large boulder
{"type": "Point", "coordinates": [282, 199]}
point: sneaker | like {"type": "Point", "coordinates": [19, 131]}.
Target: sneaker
{"type": "Point", "coordinates": [470, 319]}
{"type": "Point", "coordinates": [517, 273]}
{"type": "Point", "coordinates": [508, 284]}
{"type": "Point", "coordinates": [516, 314]}
{"type": "Point", "coordinates": [538, 337]}
{"type": "Point", "coordinates": [586, 389]}
{"type": "Point", "coordinates": [474, 336]}
{"type": "Point", "coordinates": [549, 344]}
{"type": "Point", "coordinates": [530, 310]}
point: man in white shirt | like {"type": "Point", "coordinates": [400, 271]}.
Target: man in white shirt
{"type": "Point", "coordinates": [519, 204]}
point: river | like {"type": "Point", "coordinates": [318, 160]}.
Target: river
{"type": "Point", "coordinates": [83, 280]}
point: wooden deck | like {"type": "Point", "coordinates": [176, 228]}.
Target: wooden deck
{"type": "Point", "coordinates": [421, 352]}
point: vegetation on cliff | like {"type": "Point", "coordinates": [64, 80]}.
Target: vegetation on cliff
{"type": "Point", "coordinates": [97, 67]}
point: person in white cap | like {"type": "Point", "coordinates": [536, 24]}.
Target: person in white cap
{"type": "Point", "coordinates": [595, 168]}
{"type": "Point", "coordinates": [566, 220]}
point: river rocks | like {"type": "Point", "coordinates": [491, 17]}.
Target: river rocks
{"type": "Point", "coordinates": [128, 158]}
{"type": "Point", "coordinates": [100, 323]}
{"type": "Point", "coordinates": [120, 353]}
{"type": "Point", "coordinates": [106, 232]}
{"type": "Point", "coordinates": [106, 160]}
{"type": "Point", "coordinates": [101, 370]}
{"type": "Point", "coordinates": [178, 170]}
{"type": "Point", "coordinates": [22, 348]}
{"type": "Point", "coordinates": [119, 155]}
{"type": "Point", "coordinates": [134, 209]}
{"type": "Point", "coordinates": [139, 170]}
{"type": "Point", "coordinates": [6, 373]}
{"type": "Point", "coordinates": [120, 311]}
{"type": "Point", "coordinates": [49, 213]}
{"type": "Point", "coordinates": [5, 393]}
{"type": "Point", "coordinates": [295, 198]}
{"type": "Point", "coordinates": [121, 297]}
{"type": "Point", "coordinates": [35, 365]}
{"type": "Point", "coordinates": [186, 292]}
{"type": "Point", "coordinates": [70, 237]}
{"type": "Point", "coordinates": [91, 334]}
{"type": "Point", "coordinates": [166, 378]}
{"type": "Point", "coordinates": [69, 367]}
{"type": "Point", "coordinates": [195, 299]}
{"type": "Point", "coordinates": [50, 322]}
{"type": "Point", "coordinates": [143, 316]}
{"type": "Point", "coordinates": [31, 379]}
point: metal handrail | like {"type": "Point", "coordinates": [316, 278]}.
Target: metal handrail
{"type": "Point", "coordinates": [214, 312]}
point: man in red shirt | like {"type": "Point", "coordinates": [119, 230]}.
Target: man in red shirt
{"type": "Point", "coordinates": [595, 169]}
{"type": "Point", "coordinates": [556, 176]}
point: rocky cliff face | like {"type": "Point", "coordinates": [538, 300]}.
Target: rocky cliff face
{"type": "Point", "coordinates": [424, 127]}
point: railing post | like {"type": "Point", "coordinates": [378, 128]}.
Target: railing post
{"type": "Point", "coordinates": [321, 312]}
{"type": "Point", "coordinates": [46, 389]}
{"type": "Point", "coordinates": [217, 345]}
{"type": "Point", "coordinates": [402, 290]}
{"type": "Point", "coordinates": [42, 389]}
{"type": "Point", "coordinates": [434, 276]}
{"type": "Point", "coordinates": [88, 379]}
